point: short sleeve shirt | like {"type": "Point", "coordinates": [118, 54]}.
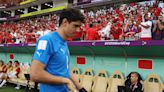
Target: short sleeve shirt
{"type": "Point", "coordinates": [52, 51]}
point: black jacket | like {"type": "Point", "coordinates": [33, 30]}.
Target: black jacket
{"type": "Point", "coordinates": [132, 88]}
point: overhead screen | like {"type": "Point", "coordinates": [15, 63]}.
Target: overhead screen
{"type": "Point", "coordinates": [87, 1]}
{"type": "Point", "coordinates": [43, 11]}
{"type": "Point", "coordinates": [83, 2]}
{"type": "Point", "coordinates": [27, 1]}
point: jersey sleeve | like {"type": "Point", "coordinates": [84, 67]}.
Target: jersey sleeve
{"type": "Point", "coordinates": [42, 52]}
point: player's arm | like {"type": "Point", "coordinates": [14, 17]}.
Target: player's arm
{"type": "Point", "coordinates": [37, 73]}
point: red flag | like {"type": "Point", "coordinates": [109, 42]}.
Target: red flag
{"type": "Point", "coordinates": [117, 11]}
{"type": "Point", "coordinates": [121, 17]}
{"type": "Point", "coordinates": [80, 60]}
{"type": "Point", "coordinates": [132, 4]}
{"type": "Point", "coordinates": [145, 64]}
{"type": "Point", "coordinates": [157, 12]}
{"type": "Point", "coordinates": [11, 56]}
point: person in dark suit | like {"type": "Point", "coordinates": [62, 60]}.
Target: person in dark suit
{"type": "Point", "coordinates": [133, 83]}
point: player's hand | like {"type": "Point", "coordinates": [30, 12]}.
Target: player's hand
{"type": "Point", "coordinates": [71, 86]}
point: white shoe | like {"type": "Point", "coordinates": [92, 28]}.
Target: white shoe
{"type": "Point", "coordinates": [3, 83]}
{"type": "Point", "coordinates": [18, 87]}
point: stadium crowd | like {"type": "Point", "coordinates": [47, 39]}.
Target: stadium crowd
{"type": "Point", "coordinates": [10, 3]}
{"type": "Point", "coordinates": [135, 21]}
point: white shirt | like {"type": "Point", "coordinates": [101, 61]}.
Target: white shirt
{"type": "Point", "coordinates": [161, 4]}
{"type": "Point", "coordinates": [146, 32]}
{"type": "Point", "coordinates": [40, 32]}
{"type": "Point", "coordinates": [106, 30]}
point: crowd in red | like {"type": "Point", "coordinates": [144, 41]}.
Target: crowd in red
{"type": "Point", "coordinates": [135, 21]}
{"type": "Point", "coordinates": [26, 31]}
{"type": "Point", "coordinates": [9, 3]}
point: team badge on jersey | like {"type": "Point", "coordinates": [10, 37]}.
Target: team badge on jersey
{"type": "Point", "coordinates": [42, 45]}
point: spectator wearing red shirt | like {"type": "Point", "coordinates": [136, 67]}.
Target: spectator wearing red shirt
{"type": "Point", "coordinates": [98, 29]}
{"type": "Point", "coordinates": [30, 37]}
{"type": "Point", "coordinates": [1, 39]}
{"type": "Point", "coordinates": [16, 68]}
{"type": "Point", "coordinates": [91, 33]}
{"type": "Point", "coordinates": [98, 25]}
{"type": "Point", "coordinates": [157, 11]}
{"type": "Point", "coordinates": [116, 32]}
{"type": "Point", "coordinates": [8, 37]}
{"type": "Point", "coordinates": [84, 28]}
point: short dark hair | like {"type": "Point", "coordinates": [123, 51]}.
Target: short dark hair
{"type": "Point", "coordinates": [138, 75]}
{"type": "Point", "coordinates": [10, 62]}
{"type": "Point", "coordinates": [135, 73]}
{"type": "Point", "coordinates": [71, 14]}
{"type": "Point", "coordinates": [16, 61]}
{"type": "Point", "coordinates": [99, 21]}
{"type": "Point", "coordinates": [91, 25]}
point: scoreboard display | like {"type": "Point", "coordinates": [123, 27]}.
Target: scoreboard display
{"type": "Point", "coordinates": [83, 2]}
